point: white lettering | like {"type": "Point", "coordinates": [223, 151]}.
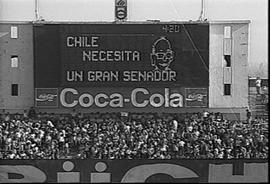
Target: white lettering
{"type": "Point", "coordinates": [126, 76]}
{"type": "Point", "coordinates": [94, 41]}
{"type": "Point", "coordinates": [160, 99]}
{"type": "Point", "coordinates": [94, 55]}
{"type": "Point", "coordinates": [167, 99]}
{"type": "Point", "coordinates": [98, 103]}
{"type": "Point", "coordinates": [140, 97]}
{"type": "Point", "coordinates": [74, 76]}
{"type": "Point", "coordinates": [84, 97]}
{"type": "Point", "coordinates": [69, 39]}
{"type": "Point", "coordinates": [116, 100]}
{"type": "Point", "coordinates": [134, 95]}
{"type": "Point", "coordinates": [217, 173]}
{"type": "Point", "coordinates": [149, 76]}
{"type": "Point", "coordinates": [63, 97]}
{"type": "Point", "coordinates": [82, 41]}
{"type": "Point", "coordinates": [27, 173]}
{"type": "Point", "coordinates": [102, 55]}
{"type": "Point", "coordinates": [140, 173]}
{"type": "Point", "coordinates": [86, 56]}
{"type": "Point", "coordinates": [176, 100]}
{"type": "Point", "coordinates": [109, 55]}
{"type": "Point", "coordinates": [103, 76]}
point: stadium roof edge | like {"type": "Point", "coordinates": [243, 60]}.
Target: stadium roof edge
{"type": "Point", "coordinates": [15, 22]}
{"type": "Point", "coordinates": [130, 22]}
{"type": "Point", "coordinates": [121, 22]}
{"type": "Point", "coordinates": [230, 22]}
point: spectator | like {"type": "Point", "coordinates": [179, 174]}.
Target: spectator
{"type": "Point", "coordinates": [25, 114]}
{"type": "Point", "coordinates": [73, 113]}
{"type": "Point", "coordinates": [205, 114]}
{"type": "Point", "coordinates": [32, 113]}
{"type": "Point", "coordinates": [258, 84]}
{"type": "Point", "coordinates": [3, 114]}
{"type": "Point", "coordinates": [264, 93]}
{"type": "Point", "coordinates": [248, 115]}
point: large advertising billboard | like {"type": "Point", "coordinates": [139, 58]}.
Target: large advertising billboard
{"type": "Point", "coordinates": [172, 57]}
{"type": "Point", "coordinates": [134, 171]}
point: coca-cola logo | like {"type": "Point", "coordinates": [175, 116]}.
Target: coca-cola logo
{"type": "Point", "coordinates": [46, 97]}
{"type": "Point", "coordinates": [195, 97]}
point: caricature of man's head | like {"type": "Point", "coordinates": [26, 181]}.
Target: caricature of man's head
{"type": "Point", "coordinates": [162, 54]}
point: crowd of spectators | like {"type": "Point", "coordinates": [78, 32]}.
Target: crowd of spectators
{"type": "Point", "coordinates": [131, 136]}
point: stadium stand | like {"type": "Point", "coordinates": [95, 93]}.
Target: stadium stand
{"type": "Point", "coordinates": [131, 136]}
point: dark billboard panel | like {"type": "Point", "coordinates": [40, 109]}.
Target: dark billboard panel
{"type": "Point", "coordinates": [47, 65]}
{"type": "Point", "coordinates": [85, 55]}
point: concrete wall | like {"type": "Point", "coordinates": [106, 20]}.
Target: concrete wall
{"type": "Point", "coordinates": [239, 66]}
{"type": "Point", "coordinates": [23, 74]}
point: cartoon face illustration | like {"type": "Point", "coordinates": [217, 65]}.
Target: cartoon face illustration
{"type": "Point", "coordinates": [162, 54]}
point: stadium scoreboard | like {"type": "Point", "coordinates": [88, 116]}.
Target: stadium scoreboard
{"type": "Point", "coordinates": [121, 65]}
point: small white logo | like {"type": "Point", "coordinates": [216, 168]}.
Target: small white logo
{"type": "Point", "coordinates": [46, 97]}
{"type": "Point", "coordinates": [195, 97]}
